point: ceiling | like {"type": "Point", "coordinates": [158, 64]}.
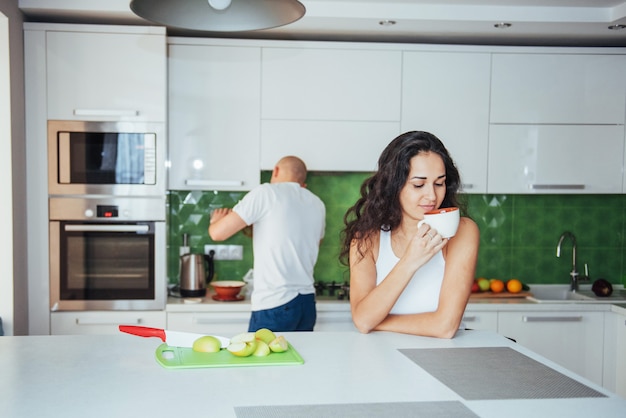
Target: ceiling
{"type": "Point", "coordinates": [533, 22]}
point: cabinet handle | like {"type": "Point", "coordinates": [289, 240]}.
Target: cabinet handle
{"type": "Point", "coordinates": [552, 318]}
{"type": "Point", "coordinates": [96, 321]}
{"type": "Point", "coordinates": [557, 186]}
{"type": "Point", "coordinates": [469, 318]}
{"type": "Point", "coordinates": [108, 228]}
{"type": "Point", "coordinates": [105, 112]}
{"type": "Point", "coordinates": [213, 183]}
{"type": "Point", "coordinates": [467, 186]}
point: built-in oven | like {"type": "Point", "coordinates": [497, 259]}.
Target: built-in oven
{"type": "Point", "coordinates": [106, 158]}
{"type": "Point", "coordinates": [107, 253]}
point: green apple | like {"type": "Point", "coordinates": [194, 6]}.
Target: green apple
{"type": "Point", "coordinates": [279, 345]}
{"type": "Point", "coordinates": [262, 349]}
{"type": "Point", "coordinates": [243, 345]}
{"type": "Point", "coordinates": [265, 335]}
{"type": "Point", "coordinates": [207, 344]}
{"type": "Point", "coordinates": [483, 284]}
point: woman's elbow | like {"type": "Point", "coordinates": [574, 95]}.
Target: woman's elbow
{"type": "Point", "coordinates": [361, 326]}
{"type": "Point", "coordinates": [447, 330]}
{"type": "Point", "coordinates": [447, 334]}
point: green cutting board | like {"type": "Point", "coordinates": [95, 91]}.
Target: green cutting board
{"type": "Point", "coordinates": [186, 358]}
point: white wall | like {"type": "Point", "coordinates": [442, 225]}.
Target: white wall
{"type": "Point", "coordinates": [6, 186]}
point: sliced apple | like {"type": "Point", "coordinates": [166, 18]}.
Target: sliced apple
{"type": "Point", "coordinates": [243, 345]}
{"type": "Point", "coordinates": [207, 344]}
{"type": "Point", "coordinates": [279, 345]}
{"type": "Point", "coordinates": [262, 349]}
{"type": "Point", "coordinates": [265, 335]}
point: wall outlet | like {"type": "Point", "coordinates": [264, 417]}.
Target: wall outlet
{"type": "Point", "coordinates": [235, 252]}
{"type": "Point", "coordinates": [225, 252]}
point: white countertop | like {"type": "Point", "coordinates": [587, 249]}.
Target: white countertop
{"type": "Point", "coordinates": [118, 376]}
{"type": "Point", "coordinates": [330, 304]}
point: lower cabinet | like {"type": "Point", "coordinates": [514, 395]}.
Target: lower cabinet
{"type": "Point", "coordinates": [574, 340]}
{"type": "Point", "coordinates": [103, 322]}
{"type": "Point", "coordinates": [614, 378]}
{"type": "Point", "coordinates": [480, 320]}
{"type": "Point", "coordinates": [334, 321]}
{"type": "Point", "coordinates": [226, 324]}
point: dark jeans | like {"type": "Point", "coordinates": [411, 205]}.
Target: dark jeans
{"type": "Point", "coordinates": [298, 314]}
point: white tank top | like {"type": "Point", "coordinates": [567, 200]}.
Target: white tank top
{"type": "Point", "coordinates": [422, 292]}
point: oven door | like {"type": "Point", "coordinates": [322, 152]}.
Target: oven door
{"type": "Point", "coordinates": [107, 266]}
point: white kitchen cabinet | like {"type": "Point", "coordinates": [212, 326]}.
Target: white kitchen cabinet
{"type": "Point", "coordinates": [558, 88]}
{"type": "Point", "coordinates": [326, 145]}
{"type": "Point", "coordinates": [614, 377]}
{"type": "Point", "coordinates": [103, 322]}
{"type": "Point", "coordinates": [447, 94]}
{"type": "Point", "coordinates": [106, 73]}
{"type": "Point", "coordinates": [480, 320]}
{"type": "Point", "coordinates": [569, 338]}
{"type": "Point", "coordinates": [331, 84]}
{"type": "Point", "coordinates": [226, 324]}
{"type": "Point", "coordinates": [214, 116]}
{"type": "Point", "coordinates": [334, 321]}
{"type": "Point", "coordinates": [556, 159]}
{"type": "Point", "coordinates": [336, 108]}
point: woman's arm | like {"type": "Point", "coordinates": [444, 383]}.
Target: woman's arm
{"type": "Point", "coordinates": [460, 254]}
{"type": "Point", "coordinates": [371, 304]}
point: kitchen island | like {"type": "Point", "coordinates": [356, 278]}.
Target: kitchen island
{"type": "Point", "coordinates": [343, 374]}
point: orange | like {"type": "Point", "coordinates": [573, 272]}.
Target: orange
{"type": "Point", "coordinates": [497, 285]}
{"type": "Point", "coordinates": [514, 286]}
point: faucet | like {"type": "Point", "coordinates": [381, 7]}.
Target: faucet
{"type": "Point", "coordinates": [574, 274]}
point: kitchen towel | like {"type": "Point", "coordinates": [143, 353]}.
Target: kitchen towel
{"type": "Point", "coordinates": [496, 373]}
{"type": "Point", "coordinates": [443, 409]}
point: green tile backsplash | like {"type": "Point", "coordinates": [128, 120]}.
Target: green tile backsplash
{"type": "Point", "coordinates": [519, 233]}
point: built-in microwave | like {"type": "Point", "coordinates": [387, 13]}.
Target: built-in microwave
{"type": "Point", "coordinates": [106, 158]}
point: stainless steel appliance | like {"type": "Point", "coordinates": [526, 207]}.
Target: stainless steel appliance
{"type": "Point", "coordinates": [106, 158]}
{"type": "Point", "coordinates": [194, 276]}
{"type": "Point", "coordinates": [107, 253]}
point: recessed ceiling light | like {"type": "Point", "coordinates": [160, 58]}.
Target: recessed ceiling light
{"type": "Point", "coordinates": [387, 22]}
{"type": "Point", "coordinates": [617, 27]}
{"type": "Point", "coordinates": [503, 25]}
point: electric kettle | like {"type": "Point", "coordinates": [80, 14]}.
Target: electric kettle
{"type": "Point", "coordinates": [194, 275]}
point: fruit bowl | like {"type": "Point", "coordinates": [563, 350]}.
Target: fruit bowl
{"type": "Point", "coordinates": [227, 289]}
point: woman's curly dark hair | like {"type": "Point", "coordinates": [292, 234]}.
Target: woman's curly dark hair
{"type": "Point", "coordinates": [379, 204]}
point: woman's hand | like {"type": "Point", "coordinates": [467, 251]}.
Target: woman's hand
{"type": "Point", "coordinates": [423, 246]}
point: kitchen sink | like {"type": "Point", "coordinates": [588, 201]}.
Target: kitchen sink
{"type": "Point", "coordinates": [562, 294]}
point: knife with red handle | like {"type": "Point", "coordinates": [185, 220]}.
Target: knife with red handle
{"type": "Point", "coordinates": [171, 338]}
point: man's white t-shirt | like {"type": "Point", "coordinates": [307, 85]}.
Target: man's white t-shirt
{"type": "Point", "coordinates": [289, 224]}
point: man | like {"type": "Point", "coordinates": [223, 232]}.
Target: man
{"type": "Point", "coordinates": [288, 225]}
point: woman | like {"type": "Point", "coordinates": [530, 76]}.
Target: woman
{"type": "Point", "coordinates": [405, 278]}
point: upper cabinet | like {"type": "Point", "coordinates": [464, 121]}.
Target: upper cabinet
{"type": "Point", "coordinates": [558, 88]}
{"type": "Point", "coordinates": [106, 73]}
{"type": "Point", "coordinates": [556, 159]}
{"type": "Point", "coordinates": [335, 107]}
{"type": "Point", "coordinates": [331, 84]}
{"type": "Point", "coordinates": [214, 116]}
{"type": "Point", "coordinates": [447, 94]}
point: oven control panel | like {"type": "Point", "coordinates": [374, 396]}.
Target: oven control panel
{"type": "Point", "coordinates": [107, 211]}
{"type": "Point", "coordinates": [115, 209]}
